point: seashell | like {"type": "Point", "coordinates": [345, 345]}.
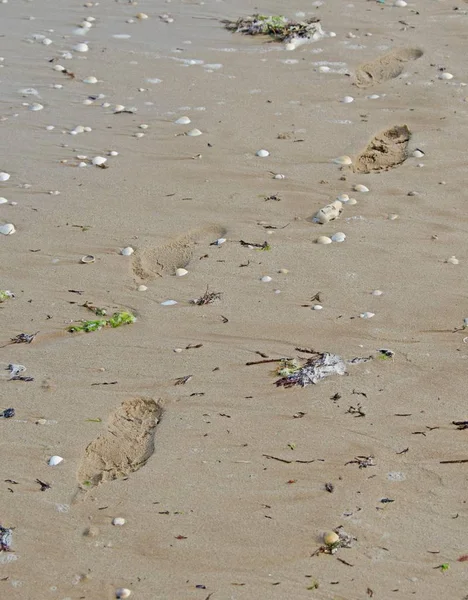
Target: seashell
{"type": "Point", "coordinates": [142, 288]}
{"type": "Point", "coordinates": [283, 271]}
{"type": "Point", "coordinates": [99, 160]}
{"type": "Point", "coordinates": [28, 92]}
{"type": "Point", "coordinates": [139, 135]}
{"type": "Point", "coordinates": [118, 521]}
{"type": "Point", "coordinates": [279, 176]}
{"type": "Point", "coordinates": [122, 593]}
{"type": "Point", "coordinates": [67, 55]}
{"type": "Point", "coordinates": [338, 237]}
{"type": "Point", "coordinates": [343, 160]}
{"type": "Point", "coordinates": [82, 164]}
{"type": "Point", "coordinates": [418, 153]}
{"type": "Point", "coordinates": [446, 76]}
{"type": "Point", "coordinates": [105, 105]}
{"type": "Point", "coordinates": [59, 68]}
{"type": "Point", "coordinates": [50, 127]}
{"type": "Point", "coordinates": [347, 100]}
{"type": "Point", "coordinates": [219, 241]}
{"type": "Point", "coordinates": [324, 69]}
{"type": "Point", "coordinates": [88, 259]}
{"type": "Point", "coordinates": [113, 153]}
{"type": "Point", "coordinates": [119, 108]}
{"type": "Point", "coordinates": [81, 30]}
{"type": "Point", "coordinates": [143, 126]}
{"type": "Point", "coordinates": [7, 229]}
{"type": "Point", "coordinates": [4, 176]}
{"type": "Point", "coordinates": [367, 315]}
{"type": "Point", "coordinates": [452, 260]}
{"type": "Point", "coordinates": [142, 16]}
{"type": "Point", "coordinates": [317, 307]}
{"type": "Point", "coordinates": [87, 129]}
{"type": "Point", "coordinates": [90, 79]}
{"type": "Point", "coordinates": [330, 538]}
{"type": "Point", "coordinates": [194, 133]}
{"type": "Point", "coordinates": [373, 97]}
{"type": "Point", "coordinates": [128, 251]}
{"type": "Point", "coordinates": [168, 303]}
{"type": "Point", "coordinates": [377, 293]}
{"type": "Point", "coordinates": [329, 213]}
{"type": "Point", "coordinates": [54, 461]}
{"type": "Point", "coordinates": [360, 188]}
{"type": "Point", "coordinates": [344, 198]}
{"type": "Point", "coordinates": [35, 106]}
{"type": "Point", "coordinates": [81, 47]}
{"type": "Point", "coordinates": [392, 217]}
{"type": "Point", "coordinates": [323, 239]}
{"type": "Point", "coordinates": [3, 200]}
{"type": "Point", "coordinates": [182, 121]}
{"type": "Point", "coordinates": [262, 153]}
{"type": "Point", "coordinates": [266, 279]}
{"type": "Point", "coordinates": [400, 3]}
{"type": "Point", "coordinates": [181, 272]}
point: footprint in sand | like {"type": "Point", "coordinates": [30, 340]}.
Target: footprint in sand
{"type": "Point", "coordinates": [162, 260]}
{"type": "Point", "coordinates": [125, 447]}
{"type": "Point", "coordinates": [385, 67]}
{"type": "Point", "coordinates": [386, 150]}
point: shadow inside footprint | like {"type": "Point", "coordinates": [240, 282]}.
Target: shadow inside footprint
{"type": "Point", "coordinates": [385, 67]}
{"type": "Point", "coordinates": [126, 445]}
{"type": "Point", "coordinates": [386, 150]}
{"type": "Point", "coordinates": [162, 260]}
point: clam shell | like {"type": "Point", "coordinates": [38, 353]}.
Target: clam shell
{"type": "Point", "coordinates": [400, 3]}
{"type": "Point", "coordinates": [169, 303]}
{"type": "Point", "coordinates": [360, 188]}
{"type": "Point", "coordinates": [54, 461]}
{"type": "Point", "coordinates": [118, 521]}
{"type": "Point", "coordinates": [453, 260]}
{"type": "Point", "coordinates": [128, 251]}
{"type": "Point", "coordinates": [122, 593]}
{"type": "Point", "coordinates": [323, 239]}
{"type": "Point", "coordinates": [88, 259]}
{"type": "Point", "coordinates": [418, 153]}
{"type": "Point", "coordinates": [338, 237]}
{"type": "Point", "coordinates": [279, 176]}
{"type": "Point", "coordinates": [81, 47]}
{"type": "Point", "coordinates": [194, 133]}
{"type": "Point", "coordinates": [90, 79]}
{"type": "Point", "coordinates": [266, 279]}
{"type": "Point", "coordinates": [343, 160]}
{"type": "Point", "coordinates": [99, 160]}
{"type": "Point", "coordinates": [347, 100]}
{"type": "Point", "coordinates": [7, 229]}
{"type": "Point", "coordinates": [182, 121]}
{"type": "Point", "coordinates": [181, 272]}
{"type": "Point", "coordinates": [3, 200]}
{"type": "Point", "coordinates": [262, 153]}
{"type": "Point", "coordinates": [446, 76]}
{"type": "Point", "coordinates": [4, 176]}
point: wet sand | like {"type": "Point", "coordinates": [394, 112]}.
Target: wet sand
{"type": "Point", "coordinates": [208, 514]}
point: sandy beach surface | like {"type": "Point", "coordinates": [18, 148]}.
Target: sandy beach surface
{"type": "Point", "coordinates": [226, 482]}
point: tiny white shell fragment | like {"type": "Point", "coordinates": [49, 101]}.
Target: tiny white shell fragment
{"type": "Point", "coordinates": [142, 288]}
{"type": "Point", "coordinates": [262, 153]}
{"type": "Point", "coordinates": [118, 521]}
{"type": "Point", "coordinates": [317, 307]}
{"type": "Point", "coordinates": [90, 79]}
{"type": "Point", "coordinates": [445, 76]}
{"type": "Point", "coordinates": [35, 106]}
{"type": "Point", "coordinates": [279, 176]}
{"type": "Point", "coordinates": [181, 272]}
{"type": "Point", "coordinates": [81, 47]}
{"type": "Point", "coordinates": [7, 229]}
{"type": "Point", "coordinates": [338, 237]}
{"type": "Point", "coordinates": [119, 108]}
{"type": "Point", "coordinates": [266, 279]}
{"type": "Point", "coordinates": [418, 153]}
{"type": "Point", "coordinates": [377, 293]}
{"type": "Point", "coordinates": [400, 3]}
{"type": "Point", "coordinates": [453, 260]}
{"type": "Point", "coordinates": [99, 160]}
{"type": "Point", "coordinates": [54, 461]}
{"type": "Point", "coordinates": [360, 188]}
{"type": "Point", "coordinates": [343, 160]}
{"type": "Point", "coordinates": [128, 251]}
{"type": "Point", "coordinates": [323, 239]}
{"type": "Point", "coordinates": [328, 213]}
{"type": "Point", "coordinates": [4, 176]}
{"type": "Point", "coordinates": [194, 133]}
{"type": "Point", "coordinates": [367, 315]}
{"type": "Point", "coordinates": [347, 100]}
{"type": "Point", "coordinates": [122, 593]}
{"type": "Point", "coordinates": [168, 303]}
{"type": "Point", "coordinates": [182, 121]}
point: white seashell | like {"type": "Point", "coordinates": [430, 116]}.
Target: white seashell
{"type": "Point", "coordinates": [367, 315]}
{"type": "Point", "coordinates": [119, 108]}
{"type": "Point", "coordinates": [7, 229]}
{"type": "Point", "coordinates": [59, 68]}
{"type": "Point", "coordinates": [28, 92]}
{"type": "Point", "coordinates": [446, 76]}
{"type": "Point", "coordinates": [168, 303]}
{"type": "Point", "coordinates": [283, 271]}
{"type": "Point", "coordinates": [338, 237]}
{"type": "Point", "coordinates": [344, 198]}
{"type": "Point", "coordinates": [194, 133]}
{"type": "Point", "coordinates": [139, 135]}
{"type": "Point", "coordinates": [128, 251]}
{"type": "Point", "coordinates": [67, 55]}
{"type": "Point", "coordinates": [47, 42]}
{"type": "Point", "coordinates": [329, 213]}
{"type": "Point", "coordinates": [87, 129]}
{"type": "Point", "coordinates": [143, 126]}
{"type": "Point", "coordinates": [324, 69]}
{"type": "Point", "coordinates": [181, 272]}
{"type": "Point", "coordinates": [113, 153]}
{"type": "Point", "coordinates": [122, 593]}
{"type": "Point", "coordinates": [219, 241]}
{"type": "Point", "coordinates": [105, 105]}
{"type": "Point", "coordinates": [392, 217]}
{"type": "Point", "coordinates": [400, 3]}
{"type": "Point", "coordinates": [90, 79]}
{"type": "Point", "coordinates": [81, 47]}
{"type": "Point", "coordinates": [352, 201]}
{"type": "Point", "coordinates": [418, 153]}
{"type": "Point", "coordinates": [88, 259]}
{"type": "Point", "coordinates": [360, 188]}
{"type": "Point", "coordinates": [35, 106]}
{"type": "Point", "coordinates": [262, 153]}
{"type": "Point", "coordinates": [142, 16]}
{"type": "Point", "coordinates": [81, 30]}
{"type": "Point", "coordinates": [57, 86]}
{"type": "Point", "coordinates": [373, 97]}
{"type": "Point", "coordinates": [3, 201]}
{"type": "Point", "coordinates": [99, 160]}
{"type": "Point", "coordinates": [317, 307]}
{"type": "Point", "coordinates": [347, 100]}
{"type": "Point", "coordinates": [343, 160]}
{"type": "Point", "coordinates": [50, 127]}
{"type": "Point", "coordinates": [323, 239]}
{"type": "Point", "coordinates": [452, 260]}
{"type": "Point", "coordinates": [4, 176]}
{"type": "Point", "coordinates": [54, 461]}
{"type": "Point", "coordinates": [279, 176]}
{"type": "Point", "coordinates": [182, 121]}
{"type": "Point", "coordinates": [377, 293]}
{"type": "Point", "coordinates": [118, 521]}
{"type": "Point", "coordinates": [82, 164]}
{"type": "Point", "coordinates": [142, 288]}
{"type": "Point", "coordinates": [266, 279]}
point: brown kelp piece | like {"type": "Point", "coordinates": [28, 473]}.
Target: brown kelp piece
{"type": "Point", "coordinates": [386, 150]}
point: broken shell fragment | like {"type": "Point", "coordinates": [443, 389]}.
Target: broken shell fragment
{"type": "Point", "coordinates": [330, 538]}
{"type": "Point", "coordinates": [128, 251]}
{"type": "Point", "coordinates": [343, 160]}
{"type": "Point", "coordinates": [54, 461]}
{"type": "Point", "coordinates": [88, 259]}
{"type": "Point", "coordinates": [7, 229]}
{"type": "Point", "coordinates": [262, 153]}
{"type": "Point", "coordinates": [329, 213]}
{"type": "Point", "coordinates": [452, 260]}
{"type": "Point", "coordinates": [367, 315]}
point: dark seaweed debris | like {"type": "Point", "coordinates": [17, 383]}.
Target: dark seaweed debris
{"type": "Point", "coordinates": [315, 368]}
{"type": "Point", "coordinates": [276, 26]}
{"type": "Point", "coordinates": [5, 539]}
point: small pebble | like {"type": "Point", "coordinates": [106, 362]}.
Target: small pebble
{"type": "Point", "coordinates": [262, 153]}
{"type": "Point", "coordinates": [266, 279]}
{"type": "Point", "coordinates": [360, 188]}
{"type": "Point", "coordinates": [330, 538]}
{"type": "Point", "coordinates": [118, 521]}
{"type": "Point", "coordinates": [367, 315]}
{"type": "Point", "coordinates": [181, 272]}
{"type": "Point", "coordinates": [323, 239]}
{"type": "Point", "coordinates": [54, 461]}
{"type": "Point", "coordinates": [128, 251]}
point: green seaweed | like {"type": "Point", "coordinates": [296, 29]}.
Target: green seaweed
{"type": "Point", "coordinates": [6, 295]}
{"type": "Point", "coordinates": [117, 319]}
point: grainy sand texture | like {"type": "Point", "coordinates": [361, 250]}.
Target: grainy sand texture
{"type": "Point", "coordinates": [267, 417]}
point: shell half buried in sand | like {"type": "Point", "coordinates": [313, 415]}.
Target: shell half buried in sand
{"type": "Point", "coordinates": [88, 259]}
